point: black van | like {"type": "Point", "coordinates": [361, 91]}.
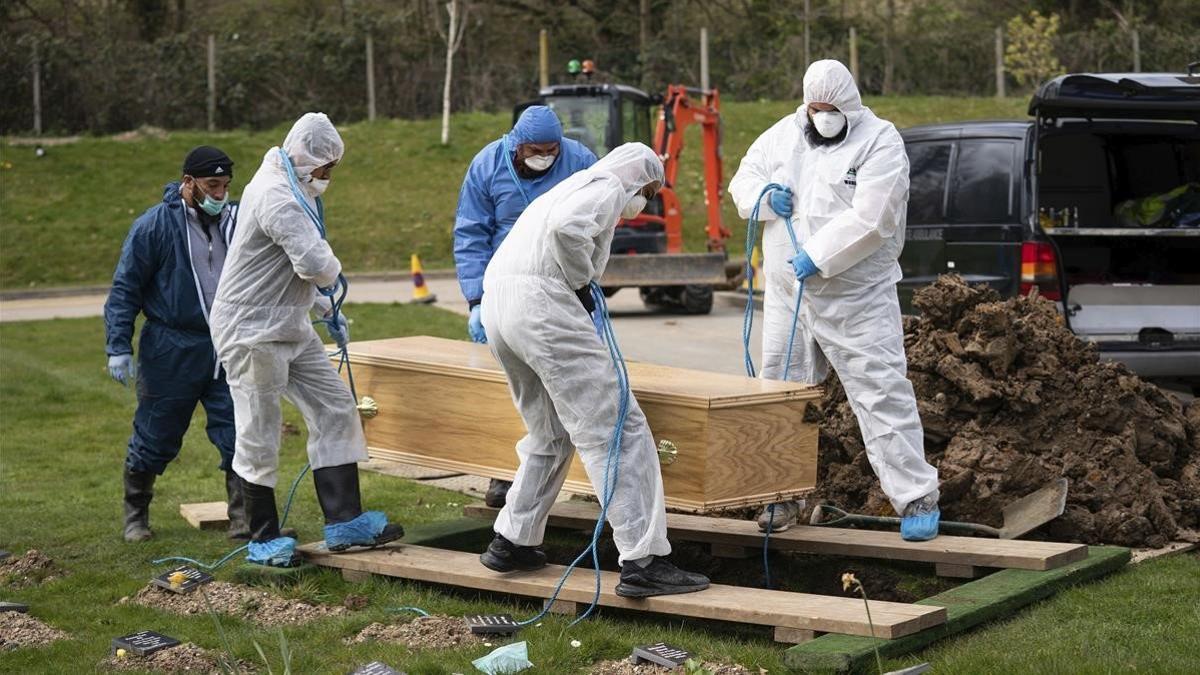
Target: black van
{"type": "Point", "coordinates": [1095, 202]}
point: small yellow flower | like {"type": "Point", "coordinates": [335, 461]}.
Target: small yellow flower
{"type": "Point", "coordinates": [120, 653]}
{"type": "Point", "coordinates": [848, 580]}
{"type": "Point", "coordinates": [177, 579]}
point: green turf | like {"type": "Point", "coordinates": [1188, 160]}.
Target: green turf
{"type": "Point", "coordinates": [63, 428]}
{"type": "Point", "coordinates": [64, 216]}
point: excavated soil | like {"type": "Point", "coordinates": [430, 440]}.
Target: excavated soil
{"type": "Point", "coordinates": [1010, 399]}
{"type": "Point", "coordinates": [21, 630]}
{"type": "Point", "coordinates": [31, 569]}
{"type": "Point", "coordinates": [184, 658]}
{"type": "Point", "coordinates": [251, 604]}
{"type": "Point", "coordinates": [626, 667]}
{"type": "Point", "coordinates": [425, 632]}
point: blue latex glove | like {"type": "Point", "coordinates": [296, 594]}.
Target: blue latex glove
{"type": "Point", "coordinates": [339, 332]}
{"type": "Point", "coordinates": [781, 202]}
{"type": "Point", "coordinates": [475, 326]}
{"type": "Point", "coordinates": [510, 658]}
{"type": "Point", "coordinates": [120, 368]}
{"type": "Point", "coordinates": [274, 553]}
{"type": "Point", "coordinates": [803, 265]}
{"type": "Point", "coordinates": [358, 532]}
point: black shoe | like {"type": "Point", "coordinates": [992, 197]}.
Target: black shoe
{"type": "Point", "coordinates": [139, 490]}
{"type": "Point", "coordinates": [504, 556]}
{"type": "Point", "coordinates": [496, 493]}
{"type": "Point", "coordinates": [658, 578]}
{"type": "Point", "coordinates": [235, 508]}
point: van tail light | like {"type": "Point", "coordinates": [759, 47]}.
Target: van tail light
{"type": "Point", "coordinates": [1039, 269]}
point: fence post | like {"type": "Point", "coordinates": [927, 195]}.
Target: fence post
{"type": "Point", "coordinates": [370, 78]}
{"type": "Point", "coordinates": [704, 82]}
{"type": "Point", "coordinates": [999, 62]}
{"type": "Point", "coordinates": [1137, 51]}
{"type": "Point", "coordinates": [37, 92]}
{"type": "Point", "coordinates": [212, 82]}
{"type": "Point", "coordinates": [854, 53]}
{"type": "Point", "coordinates": [543, 58]}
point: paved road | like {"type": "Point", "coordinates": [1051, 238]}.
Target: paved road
{"type": "Point", "coordinates": [712, 342]}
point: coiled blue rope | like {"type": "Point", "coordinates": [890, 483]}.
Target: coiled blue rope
{"type": "Point", "coordinates": [612, 463]}
{"type": "Point", "coordinates": [748, 326]}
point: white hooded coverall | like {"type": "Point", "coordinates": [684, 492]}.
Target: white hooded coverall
{"type": "Point", "coordinates": [849, 204]}
{"type": "Point", "coordinates": [261, 324]}
{"type": "Point", "coordinates": [560, 374]}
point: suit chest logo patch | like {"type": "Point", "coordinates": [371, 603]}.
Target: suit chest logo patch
{"type": "Point", "coordinates": [851, 177]}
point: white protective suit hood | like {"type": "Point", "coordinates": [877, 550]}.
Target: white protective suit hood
{"type": "Point", "coordinates": [312, 143]}
{"type": "Point", "coordinates": [828, 81]}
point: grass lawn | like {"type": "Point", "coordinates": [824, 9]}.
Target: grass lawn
{"type": "Point", "coordinates": [63, 217]}
{"type": "Point", "coordinates": [63, 428]}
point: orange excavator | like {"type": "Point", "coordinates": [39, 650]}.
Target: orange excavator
{"type": "Point", "coordinates": [647, 251]}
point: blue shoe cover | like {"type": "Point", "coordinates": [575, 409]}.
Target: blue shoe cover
{"type": "Point", "coordinates": [922, 527]}
{"type": "Point", "coordinates": [510, 658]}
{"type": "Point", "coordinates": [274, 553]}
{"type": "Point", "coordinates": [358, 532]}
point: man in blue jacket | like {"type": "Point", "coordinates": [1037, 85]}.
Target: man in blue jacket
{"type": "Point", "coordinates": [503, 179]}
{"type": "Point", "coordinates": [168, 271]}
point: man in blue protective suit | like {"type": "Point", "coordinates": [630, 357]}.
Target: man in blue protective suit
{"type": "Point", "coordinates": [503, 179]}
{"type": "Point", "coordinates": [168, 271]}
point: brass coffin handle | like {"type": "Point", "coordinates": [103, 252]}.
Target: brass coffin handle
{"type": "Point", "coordinates": [668, 452]}
{"type": "Point", "coordinates": [368, 408]}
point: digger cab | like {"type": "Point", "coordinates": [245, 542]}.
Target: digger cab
{"type": "Point", "coordinates": [601, 117]}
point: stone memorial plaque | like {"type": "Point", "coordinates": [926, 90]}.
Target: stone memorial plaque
{"type": "Point", "coordinates": [4, 554]}
{"type": "Point", "coordinates": [193, 579]}
{"type": "Point", "coordinates": [377, 668]}
{"type": "Point", "coordinates": [13, 607]}
{"type": "Point", "coordinates": [492, 624]}
{"type": "Point", "coordinates": [660, 654]}
{"type": "Point", "coordinates": [144, 643]}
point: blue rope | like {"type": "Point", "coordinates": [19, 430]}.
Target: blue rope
{"type": "Point", "coordinates": [415, 610]}
{"type": "Point", "coordinates": [748, 326]}
{"type": "Point", "coordinates": [611, 466]}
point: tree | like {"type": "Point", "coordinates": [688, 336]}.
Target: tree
{"type": "Point", "coordinates": [452, 35]}
{"type": "Point", "coordinates": [1029, 55]}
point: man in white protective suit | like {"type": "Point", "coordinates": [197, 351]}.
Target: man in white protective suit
{"type": "Point", "coordinates": [264, 335]}
{"type": "Point", "coordinates": [540, 326]}
{"type": "Point", "coordinates": [843, 177]}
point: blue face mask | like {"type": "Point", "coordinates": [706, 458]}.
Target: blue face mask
{"type": "Point", "coordinates": [209, 205]}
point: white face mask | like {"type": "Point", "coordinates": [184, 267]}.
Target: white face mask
{"type": "Point", "coordinates": [634, 207]}
{"type": "Point", "coordinates": [317, 186]}
{"type": "Point", "coordinates": [540, 162]}
{"type": "Point", "coordinates": [829, 123]}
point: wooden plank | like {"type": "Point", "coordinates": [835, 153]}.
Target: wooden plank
{"type": "Point", "coordinates": [972, 551]}
{"type": "Point", "coordinates": [206, 515]}
{"type": "Point", "coordinates": [725, 603]}
{"type": "Point", "coordinates": [794, 636]}
{"type": "Point", "coordinates": [952, 571]}
{"type": "Point", "coordinates": [993, 597]}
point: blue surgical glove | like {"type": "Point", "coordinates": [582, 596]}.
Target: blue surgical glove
{"type": "Point", "coordinates": [339, 331]}
{"type": "Point", "coordinates": [120, 368]}
{"type": "Point", "coordinates": [803, 265]}
{"type": "Point", "coordinates": [475, 326]}
{"type": "Point", "coordinates": [781, 202]}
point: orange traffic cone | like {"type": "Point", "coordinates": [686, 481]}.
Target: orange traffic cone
{"type": "Point", "coordinates": [421, 292]}
{"type": "Point", "coordinates": [755, 271]}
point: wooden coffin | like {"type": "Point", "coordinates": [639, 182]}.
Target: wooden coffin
{"type": "Point", "coordinates": [445, 404]}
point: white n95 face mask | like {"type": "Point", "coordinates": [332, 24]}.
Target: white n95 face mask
{"type": "Point", "coordinates": [317, 186]}
{"type": "Point", "coordinates": [540, 162]}
{"type": "Point", "coordinates": [829, 123]}
{"type": "Point", "coordinates": [634, 207]}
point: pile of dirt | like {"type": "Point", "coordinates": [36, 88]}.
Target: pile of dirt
{"type": "Point", "coordinates": [626, 667]}
{"type": "Point", "coordinates": [184, 658]}
{"type": "Point", "coordinates": [425, 632]}
{"type": "Point", "coordinates": [251, 604]}
{"type": "Point", "coordinates": [1010, 399]}
{"type": "Point", "coordinates": [31, 569]}
{"type": "Point", "coordinates": [21, 630]}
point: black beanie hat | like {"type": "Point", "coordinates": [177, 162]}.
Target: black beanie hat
{"type": "Point", "coordinates": [206, 161]}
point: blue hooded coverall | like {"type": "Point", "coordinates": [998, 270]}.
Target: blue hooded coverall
{"type": "Point", "coordinates": [491, 199]}
{"type": "Point", "coordinates": [177, 364]}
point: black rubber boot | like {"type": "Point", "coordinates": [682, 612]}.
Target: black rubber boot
{"type": "Point", "coordinates": [139, 490]}
{"type": "Point", "coordinates": [262, 516]}
{"type": "Point", "coordinates": [658, 578]}
{"type": "Point", "coordinates": [496, 493]}
{"type": "Point", "coordinates": [504, 556]}
{"type": "Point", "coordinates": [239, 528]}
{"type": "Point", "coordinates": [341, 501]}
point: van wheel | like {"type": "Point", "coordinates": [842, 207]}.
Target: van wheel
{"type": "Point", "coordinates": [693, 299]}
